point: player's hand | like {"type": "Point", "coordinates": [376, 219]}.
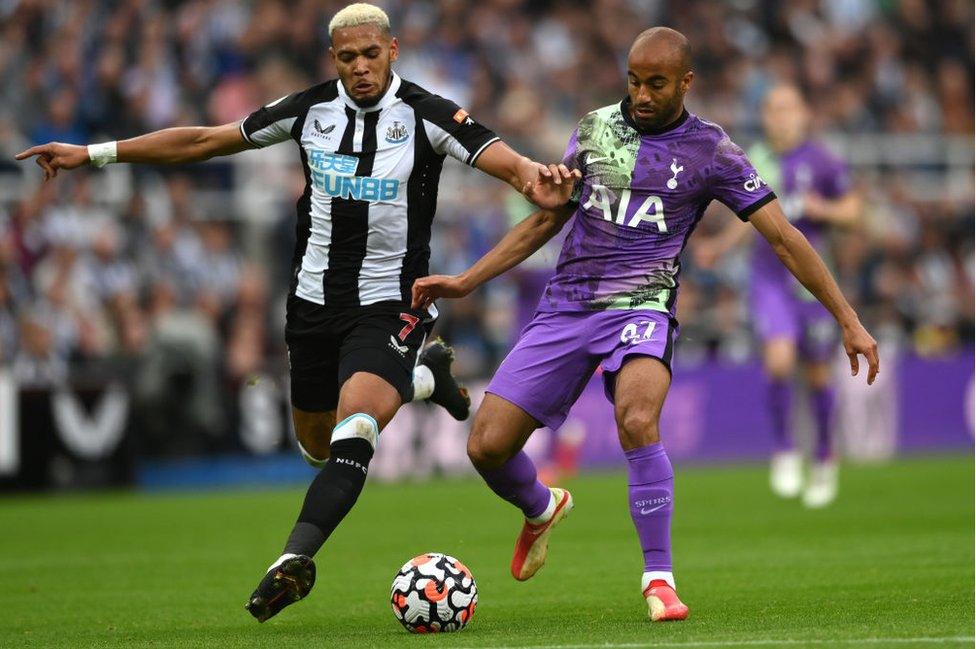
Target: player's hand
{"type": "Point", "coordinates": [816, 208]}
{"type": "Point", "coordinates": [858, 341]}
{"type": "Point", "coordinates": [56, 155]}
{"type": "Point", "coordinates": [553, 185]}
{"type": "Point", "coordinates": [427, 289]}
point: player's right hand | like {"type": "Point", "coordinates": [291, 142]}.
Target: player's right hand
{"type": "Point", "coordinates": [427, 289]}
{"type": "Point", "coordinates": [857, 340]}
{"type": "Point", "coordinates": [56, 155]}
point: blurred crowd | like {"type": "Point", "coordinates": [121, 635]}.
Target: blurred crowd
{"type": "Point", "coordinates": [157, 272]}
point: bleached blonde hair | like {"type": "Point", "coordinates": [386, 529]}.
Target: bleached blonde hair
{"type": "Point", "coordinates": [360, 13]}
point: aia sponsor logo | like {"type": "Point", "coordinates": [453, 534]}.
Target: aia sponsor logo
{"type": "Point", "coordinates": [754, 183]}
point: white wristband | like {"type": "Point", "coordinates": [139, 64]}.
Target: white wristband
{"type": "Point", "coordinates": [103, 154]}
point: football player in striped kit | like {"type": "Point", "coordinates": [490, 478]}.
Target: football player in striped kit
{"type": "Point", "coordinates": [371, 146]}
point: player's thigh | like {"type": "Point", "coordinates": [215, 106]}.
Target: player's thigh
{"type": "Point", "coordinates": [818, 344]}
{"type": "Point", "coordinates": [778, 326]}
{"type": "Point", "coordinates": [500, 430]}
{"type": "Point", "coordinates": [313, 357]}
{"type": "Point", "coordinates": [819, 373]}
{"type": "Point", "coordinates": [314, 431]}
{"type": "Point", "coordinates": [376, 362]}
{"type": "Point", "coordinates": [370, 394]}
{"type": "Point", "coordinates": [640, 388]}
{"type": "Point", "coordinates": [779, 357]}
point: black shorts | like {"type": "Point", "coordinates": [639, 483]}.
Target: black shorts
{"type": "Point", "coordinates": [327, 345]}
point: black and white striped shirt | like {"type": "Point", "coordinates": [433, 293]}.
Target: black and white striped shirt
{"type": "Point", "coordinates": [371, 185]}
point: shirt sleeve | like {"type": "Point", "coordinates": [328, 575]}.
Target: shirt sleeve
{"type": "Point", "coordinates": [572, 161]}
{"type": "Point", "coordinates": [272, 123]}
{"type": "Point", "coordinates": [451, 131]}
{"type": "Point", "coordinates": [735, 181]}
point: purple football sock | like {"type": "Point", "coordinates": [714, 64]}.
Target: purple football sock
{"type": "Point", "coordinates": [780, 408]}
{"type": "Point", "coordinates": [650, 481]}
{"type": "Point", "coordinates": [823, 410]}
{"type": "Point", "coordinates": [516, 482]}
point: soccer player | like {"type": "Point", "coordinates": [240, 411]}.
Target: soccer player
{"type": "Point", "coordinates": [371, 146]}
{"type": "Point", "coordinates": [649, 170]}
{"type": "Point", "coordinates": [816, 194]}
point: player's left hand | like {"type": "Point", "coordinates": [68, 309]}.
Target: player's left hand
{"type": "Point", "coordinates": [858, 341]}
{"type": "Point", "coordinates": [427, 289]}
{"type": "Point", "coordinates": [552, 185]}
{"type": "Point", "coordinates": [815, 207]}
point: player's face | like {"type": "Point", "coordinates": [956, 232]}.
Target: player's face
{"type": "Point", "coordinates": [657, 83]}
{"type": "Point", "coordinates": [784, 118]}
{"type": "Point", "coordinates": [363, 56]}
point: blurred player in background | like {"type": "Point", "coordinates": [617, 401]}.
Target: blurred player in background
{"type": "Point", "coordinates": [815, 191]}
{"type": "Point", "coordinates": [372, 146]}
{"type": "Point", "coordinates": [649, 171]}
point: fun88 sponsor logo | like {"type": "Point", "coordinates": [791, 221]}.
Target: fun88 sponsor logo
{"type": "Point", "coordinates": [334, 174]}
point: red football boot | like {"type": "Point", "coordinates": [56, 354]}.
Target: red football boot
{"type": "Point", "coordinates": [663, 604]}
{"type": "Point", "coordinates": [532, 545]}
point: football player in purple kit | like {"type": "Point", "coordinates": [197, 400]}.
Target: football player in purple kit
{"type": "Point", "coordinates": [816, 194]}
{"type": "Point", "coordinates": [649, 170]}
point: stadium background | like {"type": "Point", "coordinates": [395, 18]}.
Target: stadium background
{"type": "Point", "coordinates": [141, 312]}
{"type": "Point", "coordinates": [156, 295]}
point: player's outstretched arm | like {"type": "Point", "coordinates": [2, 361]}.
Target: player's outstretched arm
{"type": "Point", "coordinates": [549, 187]}
{"type": "Point", "coordinates": [516, 246]}
{"type": "Point", "coordinates": [169, 146]}
{"type": "Point", "coordinates": [798, 255]}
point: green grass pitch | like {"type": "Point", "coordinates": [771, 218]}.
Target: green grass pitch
{"type": "Point", "coordinates": [890, 564]}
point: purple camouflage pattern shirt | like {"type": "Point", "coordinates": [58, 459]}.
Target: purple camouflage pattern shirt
{"type": "Point", "coordinates": [640, 198]}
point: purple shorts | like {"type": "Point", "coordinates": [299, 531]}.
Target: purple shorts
{"type": "Point", "coordinates": [557, 353]}
{"type": "Point", "coordinates": [781, 313]}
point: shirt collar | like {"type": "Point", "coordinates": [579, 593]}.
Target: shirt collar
{"type": "Point", "coordinates": [625, 110]}
{"type": "Point", "coordinates": [385, 101]}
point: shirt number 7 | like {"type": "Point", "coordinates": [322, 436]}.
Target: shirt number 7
{"type": "Point", "coordinates": [411, 321]}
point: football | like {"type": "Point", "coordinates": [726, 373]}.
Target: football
{"type": "Point", "coordinates": [433, 592]}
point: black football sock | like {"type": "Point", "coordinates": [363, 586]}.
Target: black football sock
{"type": "Point", "coordinates": [331, 495]}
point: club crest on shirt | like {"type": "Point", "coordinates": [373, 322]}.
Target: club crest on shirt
{"type": "Point", "coordinates": [397, 133]}
{"type": "Point", "coordinates": [675, 170]}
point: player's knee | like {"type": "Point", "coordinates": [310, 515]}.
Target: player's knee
{"type": "Point", "coordinates": [780, 359]}
{"type": "Point", "coordinates": [637, 427]}
{"type": "Point", "coordinates": [313, 431]}
{"type": "Point", "coordinates": [486, 451]}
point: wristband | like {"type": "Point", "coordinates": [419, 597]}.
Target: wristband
{"type": "Point", "coordinates": [103, 154]}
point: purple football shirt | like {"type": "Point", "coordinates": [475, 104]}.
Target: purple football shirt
{"type": "Point", "coordinates": [640, 198]}
{"type": "Point", "coordinates": [807, 169]}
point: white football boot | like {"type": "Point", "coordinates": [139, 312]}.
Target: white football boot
{"type": "Point", "coordinates": [822, 486]}
{"type": "Point", "coordinates": [786, 473]}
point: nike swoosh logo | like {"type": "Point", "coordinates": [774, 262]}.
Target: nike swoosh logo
{"type": "Point", "coordinates": [652, 509]}
{"type": "Point", "coordinates": [590, 159]}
